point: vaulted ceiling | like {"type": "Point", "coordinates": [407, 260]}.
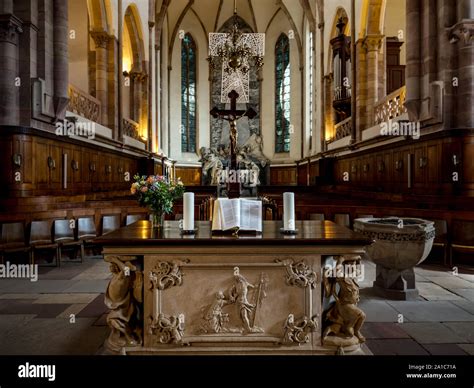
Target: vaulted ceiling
{"type": "Point", "coordinates": [212, 14]}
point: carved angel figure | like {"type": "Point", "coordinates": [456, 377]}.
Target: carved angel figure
{"type": "Point", "coordinates": [123, 297]}
{"type": "Point", "coordinates": [343, 318]}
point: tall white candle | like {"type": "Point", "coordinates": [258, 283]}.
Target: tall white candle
{"type": "Point", "coordinates": [289, 211]}
{"type": "Point", "coordinates": [188, 210]}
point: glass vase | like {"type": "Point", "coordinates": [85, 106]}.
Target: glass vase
{"type": "Point", "coordinates": [157, 219]}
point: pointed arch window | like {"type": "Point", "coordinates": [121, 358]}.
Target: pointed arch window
{"type": "Point", "coordinates": [188, 94]}
{"type": "Point", "coordinates": [282, 94]}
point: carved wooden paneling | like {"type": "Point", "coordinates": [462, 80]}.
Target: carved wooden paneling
{"type": "Point", "coordinates": [40, 156]}
{"type": "Point", "coordinates": [283, 176]}
{"type": "Point", "coordinates": [303, 174]}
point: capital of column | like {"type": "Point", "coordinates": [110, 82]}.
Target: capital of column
{"type": "Point", "coordinates": [462, 32]}
{"type": "Point", "coordinates": [10, 28]}
{"type": "Point", "coordinates": [101, 38]}
{"type": "Point", "coordinates": [138, 76]}
{"type": "Point", "coordinates": [372, 42]}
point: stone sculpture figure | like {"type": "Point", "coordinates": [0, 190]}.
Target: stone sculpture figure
{"type": "Point", "coordinates": [211, 165]}
{"type": "Point", "coordinates": [214, 319]}
{"type": "Point", "coordinates": [123, 297]}
{"type": "Point", "coordinates": [343, 319]}
{"type": "Point", "coordinates": [238, 294]}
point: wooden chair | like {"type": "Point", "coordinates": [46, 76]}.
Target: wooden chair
{"type": "Point", "coordinates": [41, 240]}
{"type": "Point", "coordinates": [86, 232]}
{"type": "Point", "coordinates": [343, 220]}
{"type": "Point", "coordinates": [316, 217]}
{"type": "Point", "coordinates": [64, 237]}
{"type": "Point", "coordinates": [132, 218]}
{"type": "Point", "coordinates": [13, 240]}
{"type": "Point", "coordinates": [110, 223]}
{"type": "Point", "coordinates": [462, 238]}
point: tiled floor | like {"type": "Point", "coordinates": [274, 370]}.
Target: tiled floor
{"type": "Point", "coordinates": [55, 314]}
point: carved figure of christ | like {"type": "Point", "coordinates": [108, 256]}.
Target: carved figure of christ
{"type": "Point", "coordinates": [232, 115]}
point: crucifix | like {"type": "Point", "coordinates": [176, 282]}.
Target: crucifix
{"type": "Point", "coordinates": [231, 116]}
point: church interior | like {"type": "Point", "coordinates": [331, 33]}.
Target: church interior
{"type": "Point", "coordinates": [363, 110]}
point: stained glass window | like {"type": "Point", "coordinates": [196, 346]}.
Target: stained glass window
{"type": "Point", "coordinates": [282, 94]}
{"type": "Point", "coordinates": [188, 94]}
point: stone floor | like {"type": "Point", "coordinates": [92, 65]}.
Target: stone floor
{"type": "Point", "coordinates": [66, 305]}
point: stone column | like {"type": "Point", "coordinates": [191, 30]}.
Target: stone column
{"type": "Point", "coordinates": [10, 28]}
{"type": "Point", "coordinates": [372, 44]}
{"type": "Point", "coordinates": [101, 39]}
{"type": "Point", "coordinates": [61, 60]}
{"type": "Point", "coordinates": [461, 35]}
{"type": "Point", "coordinates": [136, 95]}
{"type": "Point", "coordinates": [465, 9]}
{"type": "Point", "coordinates": [413, 60]}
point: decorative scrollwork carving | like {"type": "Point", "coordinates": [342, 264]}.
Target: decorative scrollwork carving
{"type": "Point", "coordinates": [167, 274]}
{"type": "Point", "coordinates": [131, 129]}
{"type": "Point", "coordinates": [83, 104]}
{"type": "Point", "coordinates": [169, 328]}
{"type": "Point", "coordinates": [299, 274]}
{"type": "Point", "coordinates": [297, 332]}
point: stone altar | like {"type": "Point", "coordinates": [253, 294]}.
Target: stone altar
{"type": "Point", "coordinates": [209, 294]}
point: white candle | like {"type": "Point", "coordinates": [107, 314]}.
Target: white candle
{"type": "Point", "coordinates": [289, 211]}
{"type": "Point", "coordinates": [188, 210]}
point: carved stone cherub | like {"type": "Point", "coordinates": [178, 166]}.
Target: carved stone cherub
{"type": "Point", "coordinates": [123, 297]}
{"type": "Point", "coordinates": [343, 318]}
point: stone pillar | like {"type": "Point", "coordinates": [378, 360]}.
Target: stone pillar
{"type": "Point", "coordinates": [10, 28]}
{"type": "Point", "coordinates": [135, 95]}
{"type": "Point", "coordinates": [413, 65]}
{"type": "Point", "coordinates": [372, 44]}
{"type": "Point", "coordinates": [464, 32]}
{"type": "Point", "coordinates": [465, 9]}
{"type": "Point", "coordinates": [461, 35]}
{"type": "Point", "coordinates": [101, 39]}
{"type": "Point", "coordinates": [61, 60]}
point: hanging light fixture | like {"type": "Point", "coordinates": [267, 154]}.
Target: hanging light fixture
{"type": "Point", "coordinates": [234, 53]}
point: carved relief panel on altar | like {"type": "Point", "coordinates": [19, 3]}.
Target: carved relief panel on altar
{"type": "Point", "coordinates": [202, 302]}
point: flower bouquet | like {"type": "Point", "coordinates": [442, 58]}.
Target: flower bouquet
{"type": "Point", "coordinates": [158, 194]}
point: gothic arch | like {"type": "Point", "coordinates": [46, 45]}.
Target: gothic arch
{"type": "Point", "coordinates": [100, 15]}
{"type": "Point", "coordinates": [134, 27]}
{"type": "Point", "coordinates": [373, 14]}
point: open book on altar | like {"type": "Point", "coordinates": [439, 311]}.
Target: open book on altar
{"type": "Point", "coordinates": [237, 214]}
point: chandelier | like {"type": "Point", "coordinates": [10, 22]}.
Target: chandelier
{"type": "Point", "coordinates": [234, 53]}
